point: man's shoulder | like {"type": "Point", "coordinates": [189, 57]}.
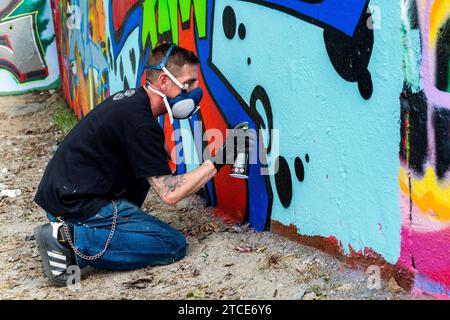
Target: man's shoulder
{"type": "Point", "coordinates": [127, 94]}
{"type": "Point", "coordinates": [132, 106]}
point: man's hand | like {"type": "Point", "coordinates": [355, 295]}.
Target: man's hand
{"type": "Point", "coordinates": [235, 143]}
{"type": "Point", "coordinates": [172, 189]}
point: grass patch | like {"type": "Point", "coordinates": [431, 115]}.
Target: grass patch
{"type": "Point", "coordinates": [64, 118]}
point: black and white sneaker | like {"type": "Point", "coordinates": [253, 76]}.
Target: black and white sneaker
{"type": "Point", "coordinates": [56, 258]}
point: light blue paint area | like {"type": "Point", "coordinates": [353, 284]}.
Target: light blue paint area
{"type": "Point", "coordinates": [424, 283]}
{"type": "Point", "coordinates": [91, 52]}
{"type": "Point", "coordinates": [351, 182]}
{"type": "Point", "coordinates": [181, 167]}
{"type": "Point", "coordinates": [115, 80]}
{"type": "Point", "coordinates": [190, 154]}
{"type": "Point", "coordinates": [49, 31]}
{"type": "Point", "coordinates": [197, 129]}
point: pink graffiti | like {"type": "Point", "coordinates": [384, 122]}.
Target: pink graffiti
{"type": "Point", "coordinates": [424, 243]}
{"type": "Point", "coordinates": [425, 249]}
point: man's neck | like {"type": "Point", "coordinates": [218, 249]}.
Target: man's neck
{"type": "Point", "coordinates": [156, 102]}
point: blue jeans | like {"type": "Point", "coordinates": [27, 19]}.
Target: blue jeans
{"type": "Point", "coordinates": [139, 240]}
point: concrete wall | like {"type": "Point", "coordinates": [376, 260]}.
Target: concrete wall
{"type": "Point", "coordinates": [28, 55]}
{"type": "Point", "coordinates": [358, 91]}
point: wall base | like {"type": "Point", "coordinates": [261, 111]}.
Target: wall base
{"type": "Point", "coordinates": [356, 260]}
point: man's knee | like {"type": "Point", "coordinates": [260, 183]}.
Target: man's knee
{"type": "Point", "coordinates": [177, 244]}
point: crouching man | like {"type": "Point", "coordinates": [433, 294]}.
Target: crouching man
{"type": "Point", "coordinates": [95, 184]}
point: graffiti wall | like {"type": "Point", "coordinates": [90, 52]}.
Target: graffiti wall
{"type": "Point", "coordinates": [28, 55]}
{"type": "Point", "coordinates": [351, 99]}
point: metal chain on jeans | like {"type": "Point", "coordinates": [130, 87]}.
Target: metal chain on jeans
{"type": "Point", "coordinates": [108, 241]}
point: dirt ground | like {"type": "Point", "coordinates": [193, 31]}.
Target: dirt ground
{"type": "Point", "coordinates": [217, 264]}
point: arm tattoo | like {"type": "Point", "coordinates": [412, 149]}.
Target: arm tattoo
{"type": "Point", "coordinates": [163, 185]}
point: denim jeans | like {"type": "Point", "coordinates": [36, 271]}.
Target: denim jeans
{"type": "Point", "coordinates": [139, 240]}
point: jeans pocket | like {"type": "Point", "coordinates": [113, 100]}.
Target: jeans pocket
{"type": "Point", "coordinates": [105, 214]}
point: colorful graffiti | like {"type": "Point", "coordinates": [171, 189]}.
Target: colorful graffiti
{"type": "Point", "coordinates": [27, 47]}
{"type": "Point", "coordinates": [329, 82]}
{"type": "Point", "coordinates": [425, 144]}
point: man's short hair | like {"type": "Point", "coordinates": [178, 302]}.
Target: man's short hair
{"type": "Point", "coordinates": [177, 59]}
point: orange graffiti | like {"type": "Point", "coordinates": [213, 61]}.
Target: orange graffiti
{"type": "Point", "coordinates": [440, 11]}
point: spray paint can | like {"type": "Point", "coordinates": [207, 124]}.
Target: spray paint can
{"type": "Point", "coordinates": [239, 169]}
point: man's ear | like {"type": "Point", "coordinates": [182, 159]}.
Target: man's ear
{"type": "Point", "coordinates": [162, 80]}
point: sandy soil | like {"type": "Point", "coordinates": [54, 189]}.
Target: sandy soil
{"type": "Point", "coordinates": [216, 265]}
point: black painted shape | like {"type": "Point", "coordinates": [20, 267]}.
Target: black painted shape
{"type": "Point", "coordinates": [165, 37]}
{"type": "Point", "coordinates": [365, 85]}
{"type": "Point", "coordinates": [413, 15]}
{"type": "Point", "coordinates": [249, 60]}
{"type": "Point", "coordinates": [259, 93]}
{"type": "Point", "coordinates": [283, 182]}
{"type": "Point", "coordinates": [441, 121]}
{"type": "Point", "coordinates": [241, 31]}
{"type": "Point", "coordinates": [443, 57]}
{"type": "Point", "coordinates": [115, 66]}
{"type": "Point", "coordinates": [111, 61]}
{"type": "Point", "coordinates": [350, 56]}
{"type": "Point", "coordinates": [307, 157]}
{"type": "Point", "coordinates": [229, 22]}
{"type": "Point", "coordinates": [299, 169]}
{"type": "Point", "coordinates": [133, 60]}
{"type": "Point", "coordinates": [121, 69]}
{"type": "Point", "coordinates": [186, 25]}
{"type": "Point", "coordinates": [414, 105]}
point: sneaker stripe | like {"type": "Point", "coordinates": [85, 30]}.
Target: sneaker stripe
{"type": "Point", "coordinates": [56, 272]}
{"type": "Point", "coordinates": [59, 269]}
{"type": "Point", "coordinates": [56, 255]}
{"type": "Point", "coordinates": [57, 264]}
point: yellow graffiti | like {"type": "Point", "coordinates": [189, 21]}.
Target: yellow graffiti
{"type": "Point", "coordinates": [96, 16]}
{"type": "Point", "coordinates": [428, 194]}
{"type": "Point", "coordinates": [440, 12]}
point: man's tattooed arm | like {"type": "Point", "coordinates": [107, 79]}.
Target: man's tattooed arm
{"type": "Point", "coordinates": [164, 185]}
{"type": "Point", "coordinates": [172, 189]}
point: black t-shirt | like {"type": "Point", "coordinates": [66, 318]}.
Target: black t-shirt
{"type": "Point", "coordinates": [109, 153]}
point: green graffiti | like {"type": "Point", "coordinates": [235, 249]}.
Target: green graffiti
{"type": "Point", "coordinates": [166, 18]}
{"type": "Point", "coordinates": [411, 64]}
{"type": "Point", "coordinates": [448, 86]}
